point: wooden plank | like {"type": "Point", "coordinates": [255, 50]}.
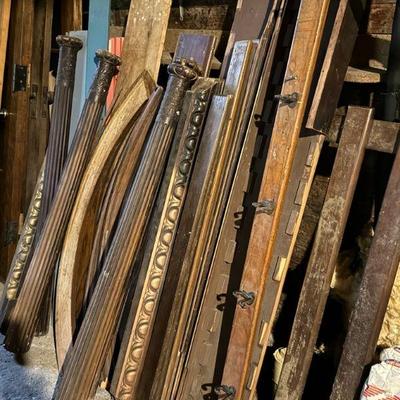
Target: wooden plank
{"type": "Point", "coordinates": [324, 253]}
{"type": "Point", "coordinates": [15, 133]}
{"type": "Point", "coordinates": [376, 285]}
{"type": "Point", "coordinates": [205, 227]}
{"type": "Point", "coordinates": [71, 15]}
{"type": "Point", "coordinates": [381, 18]}
{"type": "Point", "coordinates": [301, 177]}
{"type": "Point", "coordinates": [83, 364]}
{"type": "Point", "coordinates": [144, 40]}
{"type": "Point", "coordinates": [25, 313]}
{"type": "Point", "coordinates": [334, 68]}
{"type": "Point", "coordinates": [202, 356]}
{"type": "Point", "coordinates": [5, 9]}
{"type": "Point", "coordinates": [287, 126]}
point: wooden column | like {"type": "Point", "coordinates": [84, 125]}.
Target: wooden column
{"type": "Point", "coordinates": [5, 8]}
{"type": "Point", "coordinates": [287, 126]}
{"type": "Point", "coordinates": [376, 285]}
{"type": "Point", "coordinates": [324, 253]}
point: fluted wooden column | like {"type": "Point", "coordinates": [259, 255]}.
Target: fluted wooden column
{"type": "Point", "coordinates": [23, 318]}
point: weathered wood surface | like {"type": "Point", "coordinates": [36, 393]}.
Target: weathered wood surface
{"type": "Point", "coordinates": [381, 17]}
{"type": "Point", "coordinates": [202, 356]}
{"type": "Point", "coordinates": [376, 285]}
{"type": "Point", "coordinates": [324, 253]}
{"type": "Point", "coordinates": [15, 132]}
{"type": "Point", "coordinates": [335, 65]}
{"type": "Point", "coordinates": [5, 8]}
{"type": "Point", "coordinates": [204, 231]}
{"type": "Point", "coordinates": [73, 274]}
{"type": "Point", "coordinates": [24, 316]}
{"type": "Point", "coordinates": [96, 211]}
{"type": "Point", "coordinates": [83, 363]}
{"type": "Point", "coordinates": [71, 15]}
{"type": "Point", "coordinates": [144, 40]}
{"type": "Point", "coordinates": [286, 130]}
{"type": "Point", "coordinates": [384, 135]}
{"type": "Point", "coordinates": [39, 101]}
{"type": "Point", "coordinates": [159, 248]}
{"type": "Point", "coordinates": [301, 177]}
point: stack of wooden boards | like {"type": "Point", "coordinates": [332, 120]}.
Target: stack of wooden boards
{"type": "Point", "coordinates": [171, 225]}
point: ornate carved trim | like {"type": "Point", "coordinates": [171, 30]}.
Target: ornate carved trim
{"type": "Point", "coordinates": [162, 249]}
{"type": "Point", "coordinates": [25, 241]}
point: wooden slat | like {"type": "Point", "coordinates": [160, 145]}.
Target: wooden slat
{"type": "Point", "coordinates": [287, 126]}
{"type": "Point", "coordinates": [376, 285]}
{"type": "Point", "coordinates": [5, 8]}
{"type": "Point", "coordinates": [334, 68]}
{"type": "Point", "coordinates": [301, 177]}
{"type": "Point", "coordinates": [71, 15]}
{"type": "Point", "coordinates": [324, 253]}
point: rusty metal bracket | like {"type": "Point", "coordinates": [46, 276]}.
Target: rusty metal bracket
{"type": "Point", "coordinates": [245, 299]}
{"type": "Point", "coordinates": [226, 391]}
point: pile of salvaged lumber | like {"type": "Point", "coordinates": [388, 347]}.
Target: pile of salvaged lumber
{"type": "Point", "coordinates": [169, 236]}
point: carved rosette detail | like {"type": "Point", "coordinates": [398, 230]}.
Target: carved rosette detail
{"type": "Point", "coordinates": [25, 242]}
{"type": "Point", "coordinates": [163, 248]}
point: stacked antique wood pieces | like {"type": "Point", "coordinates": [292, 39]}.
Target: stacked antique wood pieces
{"type": "Point", "coordinates": [203, 230]}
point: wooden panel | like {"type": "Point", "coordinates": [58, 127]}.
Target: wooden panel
{"type": "Point", "coordinates": [381, 17]}
{"type": "Point", "coordinates": [324, 253]}
{"type": "Point", "coordinates": [286, 130]}
{"type": "Point", "coordinates": [71, 15]}
{"type": "Point", "coordinates": [5, 8]}
{"type": "Point", "coordinates": [336, 62]}
{"type": "Point", "coordinates": [376, 285]}
{"type": "Point", "coordinates": [15, 133]}
{"type": "Point", "coordinates": [301, 177]}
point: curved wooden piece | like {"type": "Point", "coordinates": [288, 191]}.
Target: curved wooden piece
{"type": "Point", "coordinates": [80, 234]}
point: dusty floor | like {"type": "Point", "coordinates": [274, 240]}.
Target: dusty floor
{"type": "Point", "coordinates": [33, 376]}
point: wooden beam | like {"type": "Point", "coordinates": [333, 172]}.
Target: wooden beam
{"type": "Point", "coordinates": [324, 253]}
{"type": "Point", "coordinates": [286, 130]}
{"type": "Point", "coordinates": [376, 285]}
{"type": "Point", "coordinates": [5, 8]}
{"type": "Point", "coordinates": [71, 15]}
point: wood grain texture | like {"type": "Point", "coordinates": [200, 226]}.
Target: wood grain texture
{"type": "Point", "coordinates": [286, 130]}
{"type": "Point", "coordinates": [144, 40]}
{"type": "Point", "coordinates": [71, 16]}
{"type": "Point", "coordinates": [15, 131]}
{"type": "Point", "coordinates": [72, 262]}
{"type": "Point", "coordinates": [83, 364]}
{"type": "Point", "coordinates": [301, 178]}
{"type": "Point", "coordinates": [335, 65]}
{"type": "Point", "coordinates": [324, 253]}
{"type": "Point", "coordinates": [376, 285]}
{"type": "Point", "coordinates": [5, 8]}
{"type": "Point", "coordinates": [24, 316]}
{"type": "Point", "coordinates": [159, 248]}
{"type": "Point", "coordinates": [204, 231]}
{"type": "Point", "coordinates": [202, 357]}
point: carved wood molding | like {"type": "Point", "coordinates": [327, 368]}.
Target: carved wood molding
{"type": "Point", "coordinates": [191, 124]}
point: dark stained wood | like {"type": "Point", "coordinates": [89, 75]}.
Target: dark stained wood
{"type": "Point", "coordinates": [373, 297]}
{"type": "Point", "coordinates": [15, 133]}
{"type": "Point", "coordinates": [286, 130]}
{"type": "Point", "coordinates": [334, 68]}
{"type": "Point", "coordinates": [324, 253]}
{"type": "Point", "coordinates": [71, 15]}
{"type": "Point", "coordinates": [24, 316]}
{"type": "Point", "coordinates": [83, 363]}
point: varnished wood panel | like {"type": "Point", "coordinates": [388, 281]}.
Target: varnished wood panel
{"type": "Point", "coordinates": [5, 8]}
{"type": "Point", "coordinates": [324, 253]}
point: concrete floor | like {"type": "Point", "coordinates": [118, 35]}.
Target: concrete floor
{"type": "Point", "coordinates": [34, 375]}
